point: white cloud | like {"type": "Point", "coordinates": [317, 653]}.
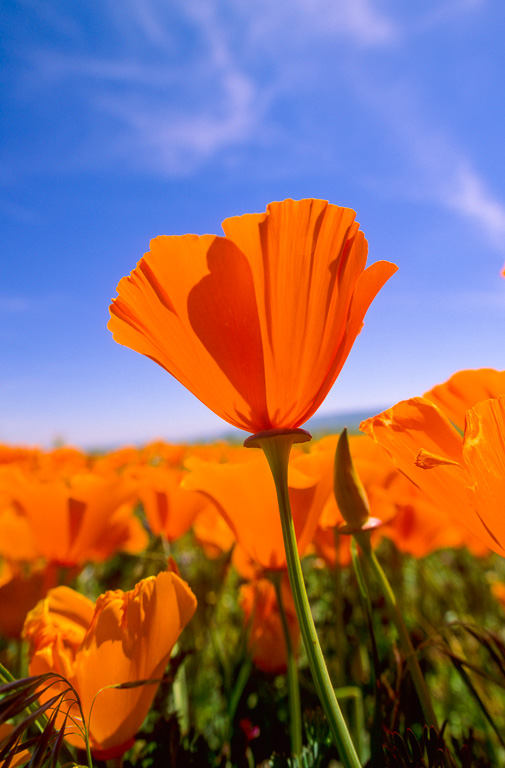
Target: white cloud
{"type": "Point", "coordinates": [358, 20]}
{"type": "Point", "coordinates": [447, 12]}
{"type": "Point", "coordinates": [173, 109]}
{"type": "Point", "coordinates": [169, 111]}
{"type": "Point", "coordinates": [53, 16]}
{"type": "Point", "coordinates": [307, 22]}
{"type": "Point", "coordinates": [145, 15]}
{"type": "Point", "coordinates": [176, 141]}
{"type": "Point", "coordinates": [435, 168]}
{"type": "Point", "coordinates": [470, 197]}
{"type": "Point", "coordinates": [56, 67]}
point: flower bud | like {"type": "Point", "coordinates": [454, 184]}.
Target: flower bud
{"type": "Point", "coordinates": [349, 491]}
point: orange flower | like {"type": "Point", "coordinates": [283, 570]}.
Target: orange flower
{"type": "Point", "coordinates": [498, 590]}
{"type": "Point", "coordinates": [266, 637]}
{"type": "Point", "coordinates": [257, 324]}
{"type": "Point", "coordinates": [465, 389]}
{"type": "Point", "coordinates": [212, 532]}
{"type": "Point", "coordinates": [19, 592]}
{"type": "Point", "coordinates": [335, 552]}
{"type": "Point", "coordinates": [420, 526]}
{"type": "Point", "coordinates": [66, 519]}
{"type": "Point", "coordinates": [20, 758]}
{"type": "Point", "coordinates": [464, 475]}
{"type": "Point", "coordinates": [244, 494]}
{"type": "Point", "coordinates": [169, 508]}
{"type": "Point", "coordinates": [125, 637]}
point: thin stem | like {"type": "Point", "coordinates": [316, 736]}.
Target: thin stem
{"type": "Point", "coordinates": [180, 694]}
{"type": "Point", "coordinates": [367, 605]}
{"type": "Point", "coordinates": [277, 447]}
{"type": "Point", "coordinates": [354, 694]}
{"type": "Point", "coordinates": [339, 611]}
{"type": "Point", "coordinates": [238, 689]}
{"type": "Point", "coordinates": [295, 711]}
{"type": "Point", "coordinates": [363, 540]}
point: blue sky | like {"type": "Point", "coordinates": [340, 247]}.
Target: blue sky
{"type": "Point", "coordinates": [126, 119]}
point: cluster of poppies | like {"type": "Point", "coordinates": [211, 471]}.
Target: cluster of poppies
{"type": "Point", "coordinates": [257, 324]}
{"type": "Point", "coordinates": [62, 509]}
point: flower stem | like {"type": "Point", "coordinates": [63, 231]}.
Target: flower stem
{"type": "Point", "coordinates": [339, 612]}
{"type": "Point", "coordinates": [367, 607]}
{"type": "Point", "coordinates": [363, 540]}
{"type": "Point", "coordinates": [276, 445]}
{"type": "Point", "coordinates": [180, 694]}
{"type": "Point", "coordinates": [295, 712]}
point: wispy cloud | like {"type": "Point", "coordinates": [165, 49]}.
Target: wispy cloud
{"type": "Point", "coordinates": [304, 22]}
{"type": "Point", "coordinates": [435, 168]}
{"type": "Point", "coordinates": [176, 141]}
{"type": "Point", "coordinates": [193, 81]}
{"type": "Point", "coordinates": [471, 197]}
{"type": "Point", "coordinates": [54, 67]}
{"type": "Point", "coordinates": [446, 12]}
{"type": "Point", "coordinates": [174, 108]}
{"type": "Point", "coordinates": [52, 16]}
{"type": "Point", "coordinates": [168, 114]}
{"type": "Point", "coordinates": [360, 21]}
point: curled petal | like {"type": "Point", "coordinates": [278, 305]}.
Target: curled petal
{"type": "Point", "coordinates": [464, 390]}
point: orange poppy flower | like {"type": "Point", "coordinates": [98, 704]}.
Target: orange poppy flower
{"type": "Point", "coordinates": [420, 526]}
{"type": "Point", "coordinates": [66, 519]}
{"type": "Point", "coordinates": [125, 637]}
{"type": "Point", "coordinates": [244, 494]}
{"type": "Point", "coordinates": [19, 592]}
{"type": "Point", "coordinates": [169, 508]}
{"type": "Point", "coordinates": [464, 475]}
{"type": "Point", "coordinates": [212, 532]}
{"type": "Point", "coordinates": [498, 590]}
{"type": "Point", "coordinates": [266, 636]}
{"type": "Point", "coordinates": [22, 757]}
{"type": "Point", "coordinates": [464, 390]}
{"type": "Point", "coordinates": [10, 454]}
{"type": "Point", "coordinates": [258, 323]}
{"type": "Point", "coordinates": [334, 555]}
{"type": "Point", "coordinates": [155, 454]}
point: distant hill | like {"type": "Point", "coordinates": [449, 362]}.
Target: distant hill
{"type": "Point", "coordinates": [319, 425]}
{"type": "Point", "coordinates": [332, 423]}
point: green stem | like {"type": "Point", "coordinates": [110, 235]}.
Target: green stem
{"type": "Point", "coordinates": [339, 612]}
{"type": "Point", "coordinates": [180, 694]}
{"type": "Point", "coordinates": [295, 711]}
{"type": "Point", "coordinates": [354, 694]}
{"type": "Point", "coordinates": [363, 540]}
{"type": "Point", "coordinates": [238, 689]}
{"type": "Point", "coordinates": [277, 446]}
{"type": "Point", "coordinates": [367, 605]}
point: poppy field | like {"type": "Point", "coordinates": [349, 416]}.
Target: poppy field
{"type": "Point", "coordinates": [296, 600]}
